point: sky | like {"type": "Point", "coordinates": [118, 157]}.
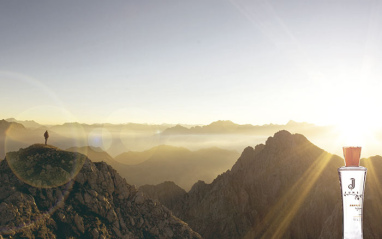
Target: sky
{"type": "Point", "coordinates": [192, 62]}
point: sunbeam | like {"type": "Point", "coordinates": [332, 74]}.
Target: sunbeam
{"type": "Point", "coordinates": [282, 213]}
{"type": "Point", "coordinates": [304, 186]}
{"type": "Point", "coordinates": [374, 181]}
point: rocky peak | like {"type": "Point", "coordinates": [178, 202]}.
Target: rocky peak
{"type": "Point", "coordinates": [199, 186]}
{"type": "Point", "coordinates": [279, 146]}
{"type": "Point", "coordinates": [94, 203]}
{"type": "Point", "coordinates": [177, 129]}
{"type": "Point", "coordinates": [285, 140]}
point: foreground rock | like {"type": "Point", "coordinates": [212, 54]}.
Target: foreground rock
{"type": "Point", "coordinates": [98, 203]}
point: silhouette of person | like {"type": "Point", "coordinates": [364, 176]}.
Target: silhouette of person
{"type": "Point", "coordinates": [46, 136]}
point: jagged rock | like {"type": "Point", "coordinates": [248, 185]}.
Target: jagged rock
{"type": "Point", "coordinates": [97, 203]}
{"type": "Point", "coordinates": [139, 198]}
{"type": "Point", "coordinates": [78, 220]}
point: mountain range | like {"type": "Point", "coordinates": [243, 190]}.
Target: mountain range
{"type": "Point", "coordinates": [94, 203]}
{"type": "Point", "coordinates": [26, 123]}
{"type": "Point", "coordinates": [116, 139]}
{"type": "Point", "coordinates": [285, 188]}
{"type": "Point", "coordinates": [229, 127]}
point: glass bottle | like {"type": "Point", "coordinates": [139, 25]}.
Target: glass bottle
{"type": "Point", "coordinates": [352, 181]}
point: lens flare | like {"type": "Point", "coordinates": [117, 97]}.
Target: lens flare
{"type": "Point", "coordinates": [45, 166]}
{"type": "Point", "coordinates": [100, 137]}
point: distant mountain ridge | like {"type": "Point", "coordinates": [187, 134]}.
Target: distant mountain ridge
{"type": "Point", "coordinates": [5, 125]}
{"type": "Point", "coordinates": [228, 127]}
{"type": "Point", "coordinates": [169, 163]}
{"type": "Point", "coordinates": [128, 126]}
{"type": "Point", "coordinates": [26, 123]}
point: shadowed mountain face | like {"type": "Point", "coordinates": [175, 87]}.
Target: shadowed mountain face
{"type": "Point", "coordinates": [287, 188]}
{"type": "Point", "coordinates": [168, 193]}
{"type": "Point", "coordinates": [96, 203]}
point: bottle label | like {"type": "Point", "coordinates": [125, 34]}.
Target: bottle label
{"type": "Point", "coordinates": [352, 188]}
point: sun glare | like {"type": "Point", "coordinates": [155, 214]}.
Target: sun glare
{"type": "Point", "coordinates": [353, 114]}
{"type": "Point", "coordinates": [356, 129]}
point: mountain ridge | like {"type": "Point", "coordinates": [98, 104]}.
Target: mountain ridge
{"type": "Point", "coordinates": [285, 188]}
{"type": "Point", "coordinates": [5, 126]}
{"type": "Point", "coordinates": [229, 127]}
{"type": "Point", "coordinates": [271, 191]}
{"type": "Point", "coordinates": [95, 203]}
{"type": "Point", "coordinates": [26, 123]}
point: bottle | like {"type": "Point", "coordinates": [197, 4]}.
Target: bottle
{"type": "Point", "coordinates": [352, 181]}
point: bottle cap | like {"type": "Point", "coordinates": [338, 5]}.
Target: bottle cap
{"type": "Point", "coordinates": [352, 156]}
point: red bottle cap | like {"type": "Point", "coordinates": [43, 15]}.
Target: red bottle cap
{"type": "Point", "coordinates": [352, 156]}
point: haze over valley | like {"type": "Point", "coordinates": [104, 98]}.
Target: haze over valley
{"type": "Point", "coordinates": [116, 139]}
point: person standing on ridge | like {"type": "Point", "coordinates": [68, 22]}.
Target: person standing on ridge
{"type": "Point", "coordinates": [46, 136]}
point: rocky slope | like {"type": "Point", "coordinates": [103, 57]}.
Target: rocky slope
{"type": "Point", "coordinates": [95, 203]}
{"type": "Point", "coordinates": [287, 188]}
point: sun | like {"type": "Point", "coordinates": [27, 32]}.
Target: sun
{"type": "Point", "coordinates": [358, 126]}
